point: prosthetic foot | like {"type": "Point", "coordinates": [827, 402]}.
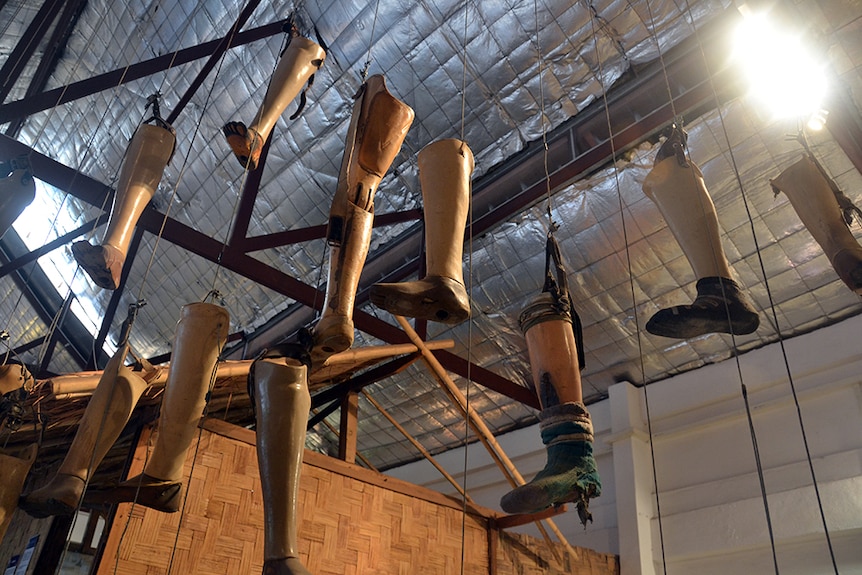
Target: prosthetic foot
{"type": "Point", "coordinates": [278, 384]}
{"type": "Point", "coordinates": [15, 469]}
{"type": "Point", "coordinates": [17, 190]}
{"type": "Point", "coordinates": [301, 59]}
{"type": "Point", "coordinates": [200, 336]}
{"type": "Point", "coordinates": [106, 415]}
{"type": "Point", "coordinates": [377, 129]}
{"type": "Point", "coordinates": [554, 345]}
{"type": "Point", "coordinates": [444, 174]}
{"type": "Point", "coordinates": [813, 197]}
{"type": "Point", "coordinates": [148, 154]}
{"type": "Point", "coordinates": [676, 186]}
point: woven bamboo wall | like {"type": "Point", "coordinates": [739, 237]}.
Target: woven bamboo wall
{"type": "Point", "coordinates": [352, 521]}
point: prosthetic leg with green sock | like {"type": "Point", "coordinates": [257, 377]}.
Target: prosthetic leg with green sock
{"type": "Point", "coordinates": [814, 196]}
{"type": "Point", "coordinates": [200, 336]}
{"type": "Point", "coordinates": [148, 154]}
{"type": "Point", "coordinates": [106, 415]}
{"type": "Point", "coordinates": [298, 63]}
{"type": "Point", "coordinates": [278, 383]}
{"type": "Point", "coordinates": [445, 167]}
{"type": "Point", "coordinates": [549, 323]}
{"type": "Point", "coordinates": [378, 127]}
{"type": "Point", "coordinates": [17, 190]}
{"type": "Point", "coordinates": [676, 186]}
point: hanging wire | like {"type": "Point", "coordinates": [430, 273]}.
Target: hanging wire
{"type": "Point", "coordinates": [772, 308]}
{"type": "Point", "coordinates": [469, 292]}
{"type": "Point", "coordinates": [363, 74]}
{"type": "Point", "coordinates": [552, 227]}
{"type": "Point", "coordinates": [630, 268]}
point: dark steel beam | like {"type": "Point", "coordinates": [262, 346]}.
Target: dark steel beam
{"type": "Point", "coordinates": [239, 227]}
{"type": "Point", "coordinates": [217, 53]}
{"type": "Point", "coordinates": [82, 89]}
{"type": "Point", "coordinates": [51, 344]}
{"type": "Point", "coordinates": [287, 237]}
{"type": "Point", "coordinates": [53, 52]}
{"type": "Point", "coordinates": [27, 45]}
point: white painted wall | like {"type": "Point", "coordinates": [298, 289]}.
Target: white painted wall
{"type": "Point", "coordinates": [713, 517]}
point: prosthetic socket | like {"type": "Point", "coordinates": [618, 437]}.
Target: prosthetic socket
{"type": "Point", "coordinates": [17, 190]}
{"type": "Point", "coordinates": [300, 60]}
{"type": "Point", "coordinates": [676, 186]}
{"type": "Point", "coordinates": [570, 473]}
{"type": "Point", "coordinates": [147, 156]}
{"type": "Point", "coordinates": [814, 196]}
{"type": "Point", "coordinates": [378, 127]}
{"type": "Point", "coordinates": [278, 384]}
{"type": "Point", "coordinates": [445, 167]}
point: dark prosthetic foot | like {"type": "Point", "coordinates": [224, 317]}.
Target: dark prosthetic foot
{"type": "Point", "coordinates": [286, 566]}
{"type": "Point", "coordinates": [434, 298]}
{"type": "Point", "coordinates": [245, 143]}
{"type": "Point", "coordinates": [720, 307]}
{"type": "Point", "coordinates": [158, 494]}
{"type": "Point", "coordinates": [60, 497]}
{"type": "Point", "coordinates": [104, 264]}
{"type": "Point", "coordinates": [848, 265]}
{"type": "Point", "coordinates": [570, 474]}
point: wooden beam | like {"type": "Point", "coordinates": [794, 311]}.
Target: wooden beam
{"type": "Point", "coordinates": [347, 431]}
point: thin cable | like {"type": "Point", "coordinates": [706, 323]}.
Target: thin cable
{"type": "Point", "coordinates": [364, 73]}
{"type": "Point", "coordinates": [541, 63]}
{"type": "Point", "coordinates": [632, 290]}
{"type": "Point", "coordinates": [470, 323]}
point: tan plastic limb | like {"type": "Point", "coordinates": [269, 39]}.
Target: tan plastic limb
{"type": "Point", "coordinates": [554, 358]}
{"type": "Point", "coordinates": [201, 333]}
{"type": "Point", "coordinates": [282, 403]}
{"type": "Point", "coordinates": [15, 469]}
{"type": "Point", "coordinates": [682, 198]}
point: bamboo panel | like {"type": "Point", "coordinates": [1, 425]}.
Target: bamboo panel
{"type": "Point", "coordinates": [519, 554]}
{"type": "Point", "coordinates": [347, 525]}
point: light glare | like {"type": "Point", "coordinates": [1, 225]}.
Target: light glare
{"type": "Point", "coordinates": [782, 73]}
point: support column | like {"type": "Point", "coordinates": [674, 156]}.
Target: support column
{"type": "Point", "coordinates": [633, 479]}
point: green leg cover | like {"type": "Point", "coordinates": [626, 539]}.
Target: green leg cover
{"type": "Point", "coordinates": [570, 474]}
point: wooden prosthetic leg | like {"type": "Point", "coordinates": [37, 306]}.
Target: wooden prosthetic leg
{"type": "Point", "coordinates": [812, 195]}
{"type": "Point", "coordinates": [300, 60]}
{"type": "Point", "coordinates": [148, 154]}
{"type": "Point", "coordinates": [445, 167]}
{"type": "Point", "coordinates": [278, 382]}
{"type": "Point", "coordinates": [107, 413]}
{"type": "Point", "coordinates": [377, 129]}
{"type": "Point", "coordinates": [676, 186]}
{"type": "Point", "coordinates": [17, 190]}
{"type": "Point", "coordinates": [200, 336]}
{"type": "Point", "coordinates": [570, 473]}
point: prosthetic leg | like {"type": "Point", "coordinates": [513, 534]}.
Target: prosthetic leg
{"type": "Point", "coordinates": [444, 174]}
{"type": "Point", "coordinates": [278, 383]}
{"type": "Point", "coordinates": [812, 195]}
{"type": "Point", "coordinates": [106, 415]}
{"type": "Point", "coordinates": [300, 60]}
{"type": "Point", "coordinates": [377, 130]}
{"type": "Point", "coordinates": [570, 473]}
{"type": "Point", "coordinates": [200, 336]}
{"type": "Point", "coordinates": [17, 190]}
{"type": "Point", "coordinates": [148, 154]}
{"type": "Point", "coordinates": [677, 188]}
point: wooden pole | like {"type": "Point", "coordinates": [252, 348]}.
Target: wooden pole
{"type": "Point", "coordinates": [418, 446]}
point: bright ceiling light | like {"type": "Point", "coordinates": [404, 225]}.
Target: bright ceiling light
{"type": "Point", "coordinates": [782, 73]}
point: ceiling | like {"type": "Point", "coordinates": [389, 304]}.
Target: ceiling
{"type": "Point", "coordinates": [74, 89]}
